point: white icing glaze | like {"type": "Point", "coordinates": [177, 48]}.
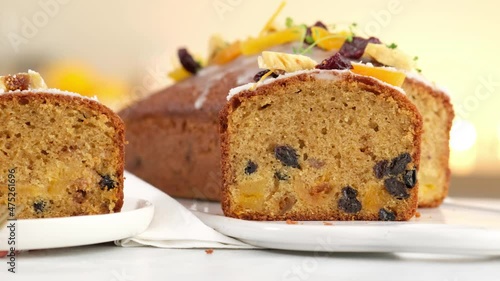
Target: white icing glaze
{"type": "Point", "coordinates": [51, 91]}
{"type": "Point", "coordinates": [203, 96]}
{"type": "Point", "coordinates": [422, 79]}
{"type": "Point", "coordinates": [210, 75]}
{"type": "Point", "coordinates": [318, 74]}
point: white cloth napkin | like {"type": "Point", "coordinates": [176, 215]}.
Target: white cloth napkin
{"type": "Point", "coordinates": [173, 226]}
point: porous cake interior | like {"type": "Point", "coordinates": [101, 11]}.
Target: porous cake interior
{"type": "Point", "coordinates": [437, 116]}
{"type": "Point", "coordinates": [65, 154]}
{"type": "Point", "coordinates": [298, 151]}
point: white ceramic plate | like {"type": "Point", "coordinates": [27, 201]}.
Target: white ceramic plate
{"type": "Point", "coordinates": [456, 227]}
{"type": "Point", "coordinates": [32, 234]}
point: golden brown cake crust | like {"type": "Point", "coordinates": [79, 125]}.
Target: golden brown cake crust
{"type": "Point", "coordinates": [444, 99]}
{"type": "Point", "coordinates": [41, 96]}
{"type": "Point", "coordinates": [366, 83]}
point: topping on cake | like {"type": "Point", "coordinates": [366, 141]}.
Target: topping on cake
{"type": "Point", "coordinates": [22, 81]}
{"type": "Point", "coordinates": [335, 39]}
{"type": "Point", "coordinates": [390, 56]}
{"type": "Point", "coordinates": [286, 62]}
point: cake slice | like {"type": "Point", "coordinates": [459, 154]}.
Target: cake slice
{"type": "Point", "coordinates": [435, 106]}
{"type": "Point", "coordinates": [320, 145]}
{"type": "Point", "coordinates": [61, 154]}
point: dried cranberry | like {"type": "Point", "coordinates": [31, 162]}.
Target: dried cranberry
{"type": "Point", "coordinates": [251, 167]}
{"type": "Point", "coordinates": [410, 178]}
{"type": "Point", "coordinates": [336, 61]}
{"type": "Point", "coordinates": [187, 61]}
{"type": "Point", "coordinates": [274, 74]}
{"type": "Point", "coordinates": [385, 215]}
{"type": "Point", "coordinates": [287, 155]}
{"type": "Point", "coordinates": [380, 169]}
{"type": "Point", "coordinates": [107, 182]}
{"type": "Point", "coordinates": [355, 48]}
{"type": "Point", "coordinates": [398, 164]}
{"type": "Point", "coordinates": [348, 202]}
{"type": "Point", "coordinates": [396, 188]}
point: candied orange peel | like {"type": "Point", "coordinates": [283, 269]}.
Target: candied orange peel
{"type": "Point", "coordinates": [327, 40]}
{"type": "Point", "coordinates": [388, 75]}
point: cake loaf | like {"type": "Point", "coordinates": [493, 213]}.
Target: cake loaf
{"type": "Point", "coordinates": [61, 154]}
{"type": "Point", "coordinates": [173, 133]}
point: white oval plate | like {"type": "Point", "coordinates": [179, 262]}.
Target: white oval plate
{"type": "Point", "coordinates": [456, 227]}
{"type": "Point", "coordinates": [32, 234]}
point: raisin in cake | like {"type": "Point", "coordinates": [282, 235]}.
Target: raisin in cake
{"type": "Point", "coordinates": [172, 134]}
{"type": "Point", "coordinates": [320, 145]}
{"type": "Point", "coordinates": [66, 151]}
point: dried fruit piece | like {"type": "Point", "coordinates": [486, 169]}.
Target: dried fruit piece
{"type": "Point", "coordinates": [39, 206]}
{"type": "Point", "coordinates": [79, 196]}
{"type": "Point", "coordinates": [396, 188]}
{"type": "Point", "coordinates": [254, 46]}
{"type": "Point", "coordinates": [284, 61]}
{"type": "Point", "coordinates": [287, 203]}
{"type": "Point", "coordinates": [388, 75]}
{"type": "Point", "coordinates": [348, 202]}
{"type": "Point", "coordinates": [107, 182]}
{"type": "Point", "coordinates": [380, 169]}
{"type": "Point", "coordinates": [251, 167]}
{"type": "Point", "coordinates": [179, 74]}
{"type": "Point", "coordinates": [410, 178]}
{"type": "Point", "coordinates": [20, 81]}
{"type": "Point", "coordinates": [398, 164]}
{"type": "Point", "coordinates": [261, 73]}
{"type": "Point", "coordinates": [355, 48]}
{"type": "Point", "coordinates": [287, 156]}
{"type": "Point", "coordinates": [308, 38]}
{"type": "Point", "coordinates": [281, 176]}
{"type": "Point", "coordinates": [328, 41]}
{"type": "Point", "coordinates": [316, 163]}
{"type": "Point", "coordinates": [188, 61]}
{"type": "Point", "coordinates": [227, 54]}
{"type": "Point", "coordinates": [336, 61]}
{"type": "Point", "coordinates": [215, 45]}
{"type": "Point", "coordinates": [389, 56]}
{"type": "Point", "coordinates": [385, 215]}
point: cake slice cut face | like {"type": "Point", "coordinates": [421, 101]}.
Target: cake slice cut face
{"type": "Point", "coordinates": [320, 145]}
{"type": "Point", "coordinates": [60, 153]}
{"type": "Point", "coordinates": [437, 111]}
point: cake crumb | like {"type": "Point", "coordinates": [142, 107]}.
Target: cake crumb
{"type": "Point", "coordinates": [417, 214]}
{"type": "Point", "coordinates": [289, 221]}
{"type": "Point", "coordinates": [327, 223]}
{"type": "Point", "coordinates": [209, 251]}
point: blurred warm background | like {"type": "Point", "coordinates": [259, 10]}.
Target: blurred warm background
{"type": "Point", "coordinates": [122, 50]}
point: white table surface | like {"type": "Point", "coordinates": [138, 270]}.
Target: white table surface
{"type": "Point", "coordinates": [110, 263]}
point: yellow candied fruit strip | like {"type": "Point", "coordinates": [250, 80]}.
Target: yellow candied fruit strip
{"type": "Point", "coordinates": [179, 74]}
{"type": "Point", "coordinates": [270, 23]}
{"type": "Point", "coordinates": [228, 54]}
{"type": "Point", "coordinates": [388, 56]}
{"type": "Point", "coordinates": [327, 40]}
{"type": "Point", "coordinates": [253, 46]}
{"type": "Point", "coordinates": [393, 77]}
